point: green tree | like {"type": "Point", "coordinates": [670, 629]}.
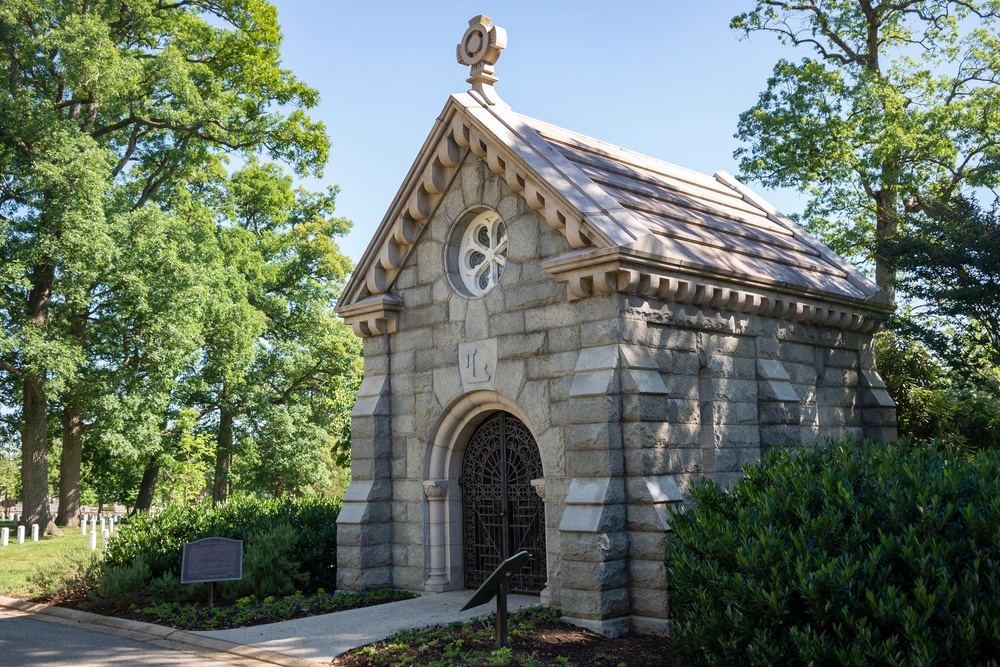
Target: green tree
{"type": "Point", "coordinates": [898, 108]}
{"type": "Point", "coordinates": [107, 107]}
{"type": "Point", "coordinates": [277, 355]}
{"type": "Point", "coordinates": [949, 262]}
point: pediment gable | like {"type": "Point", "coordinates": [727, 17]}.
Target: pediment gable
{"type": "Point", "coordinates": [635, 225]}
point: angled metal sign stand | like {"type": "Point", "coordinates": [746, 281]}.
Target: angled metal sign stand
{"type": "Point", "coordinates": [496, 584]}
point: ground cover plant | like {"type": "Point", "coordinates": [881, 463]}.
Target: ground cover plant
{"type": "Point", "coordinates": [250, 611]}
{"type": "Point", "coordinates": [847, 555]}
{"type": "Point", "coordinates": [537, 637]}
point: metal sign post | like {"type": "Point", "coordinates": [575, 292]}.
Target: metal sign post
{"type": "Point", "coordinates": [496, 584]}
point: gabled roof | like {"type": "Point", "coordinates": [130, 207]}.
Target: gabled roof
{"type": "Point", "coordinates": [636, 225]}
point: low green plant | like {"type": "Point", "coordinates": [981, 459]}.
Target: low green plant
{"type": "Point", "coordinates": [118, 585]}
{"type": "Point", "coordinates": [67, 577]}
{"type": "Point", "coordinates": [249, 611]}
{"type": "Point", "coordinates": [268, 565]}
{"type": "Point", "coordinates": [847, 555]}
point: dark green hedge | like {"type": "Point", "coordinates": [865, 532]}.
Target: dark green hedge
{"type": "Point", "coordinates": [159, 538]}
{"type": "Point", "coordinates": [843, 555]}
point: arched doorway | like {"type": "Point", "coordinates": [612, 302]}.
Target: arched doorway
{"type": "Point", "coordinates": [502, 513]}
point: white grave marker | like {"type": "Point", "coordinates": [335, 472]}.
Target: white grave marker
{"type": "Point", "coordinates": [83, 527]}
{"type": "Point", "coordinates": [5, 536]}
{"type": "Point", "coordinates": [93, 540]}
{"type": "Point", "coordinates": [20, 534]}
{"type": "Point", "coordinates": [34, 532]}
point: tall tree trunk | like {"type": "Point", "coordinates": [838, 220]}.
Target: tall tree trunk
{"type": "Point", "coordinates": [34, 454]}
{"type": "Point", "coordinates": [223, 453]}
{"type": "Point", "coordinates": [69, 470]}
{"type": "Point", "coordinates": [886, 223]}
{"type": "Point", "coordinates": [72, 443]}
{"type": "Point", "coordinates": [147, 487]}
{"type": "Point", "coordinates": [34, 445]}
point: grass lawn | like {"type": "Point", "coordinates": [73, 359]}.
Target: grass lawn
{"type": "Point", "coordinates": [19, 562]}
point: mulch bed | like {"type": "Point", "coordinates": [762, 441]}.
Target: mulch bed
{"type": "Point", "coordinates": [549, 643]}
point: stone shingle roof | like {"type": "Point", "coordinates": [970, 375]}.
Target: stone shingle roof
{"type": "Point", "coordinates": [707, 222]}
{"type": "Point", "coordinates": [635, 225]}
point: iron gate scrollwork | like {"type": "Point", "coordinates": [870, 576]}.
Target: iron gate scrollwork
{"type": "Point", "coordinates": [500, 462]}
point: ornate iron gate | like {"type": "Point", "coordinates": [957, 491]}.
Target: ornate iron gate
{"type": "Point", "coordinates": [499, 501]}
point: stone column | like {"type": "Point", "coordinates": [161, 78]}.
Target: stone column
{"type": "Point", "coordinates": [545, 596]}
{"type": "Point", "coordinates": [436, 491]}
{"type": "Point", "coordinates": [364, 526]}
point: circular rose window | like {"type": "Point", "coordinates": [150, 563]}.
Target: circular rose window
{"type": "Point", "coordinates": [478, 253]}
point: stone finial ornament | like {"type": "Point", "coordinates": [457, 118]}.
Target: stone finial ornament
{"type": "Point", "coordinates": [480, 49]}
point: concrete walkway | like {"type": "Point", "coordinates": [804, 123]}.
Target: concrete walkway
{"type": "Point", "coordinates": [304, 642]}
{"type": "Point", "coordinates": [321, 638]}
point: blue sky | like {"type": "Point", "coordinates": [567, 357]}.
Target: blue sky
{"type": "Point", "coordinates": [668, 79]}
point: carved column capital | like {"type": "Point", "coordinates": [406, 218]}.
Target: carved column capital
{"type": "Point", "coordinates": [436, 489]}
{"type": "Point", "coordinates": [539, 486]}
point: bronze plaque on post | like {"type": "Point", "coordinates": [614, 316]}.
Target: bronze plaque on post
{"type": "Point", "coordinates": [212, 559]}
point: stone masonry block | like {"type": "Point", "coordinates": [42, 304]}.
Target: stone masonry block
{"type": "Point", "coordinates": [779, 413]}
{"type": "Point", "coordinates": [733, 436]}
{"type": "Point", "coordinates": [643, 408]}
{"type": "Point", "coordinates": [647, 434]}
{"type": "Point", "coordinates": [649, 573]}
{"type": "Point", "coordinates": [597, 490]}
{"type": "Point", "coordinates": [596, 575]}
{"type": "Point", "coordinates": [594, 547]}
{"type": "Point", "coordinates": [596, 436]}
{"type": "Point", "coordinates": [564, 339]}
{"type": "Point", "coordinates": [518, 346]}
{"type": "Point", "coordinates": [550, 365]}
{"type": "Point", "coordinates": [594, 462]}
{"type": "Point", "coordinates": [650, 602]}
{"type": "Point", "coordinates": [586, 409]}
{"type": "Point", "coordinates": [588, 604]}
{"type": "Point", "coordinates": [730, 459]}
{"type": "Point", "coordinates": [592, 383]}
{"type": "Point", "coordinates": [733, 390]}
{"type": "Point", "coordinates": [592, 518]}
{"type": "Point", "coordinates": [649, 545]}
{"type": "Point", "coordinates": [420, 318]}
{"type": "Point", "coordinates": [601, 332]}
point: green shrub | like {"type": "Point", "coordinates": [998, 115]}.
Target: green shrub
{"type": "Point", "coordinates": [300, 536]}
{"type": "Point", "coordinates": [268, 568]}
{"type": "Point", "coordinates": [870, 555]}
{"type": "Point", "coordinates": [118, 585]}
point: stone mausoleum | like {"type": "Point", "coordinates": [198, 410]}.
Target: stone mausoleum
{"type": "Point", "coordinates": [560, 336]}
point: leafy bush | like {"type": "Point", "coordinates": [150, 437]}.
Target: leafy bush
{"type": "Point", "coordinates": [117, 585]}
{"type": "Point", "coordinates": [296, 539]}
{"type": "Point", "coordinates": [878, 554]}
{"type": "Point", "coordinates": [267, 566]}
{"type": "Point", "coordinates": [65, 579]}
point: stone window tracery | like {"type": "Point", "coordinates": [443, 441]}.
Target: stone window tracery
{"type": "Point", "coordinates": [482, 253]}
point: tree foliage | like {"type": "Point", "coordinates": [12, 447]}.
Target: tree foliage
{"type": "Point", "coordinates": [897, 108]}
{"type": "Point", "coordinates": [949, 262]}
{"type": "Point", "coordinates": [116, 120]}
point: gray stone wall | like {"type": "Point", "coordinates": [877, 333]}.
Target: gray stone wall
{"type": "Point", "coordinates": [630, 401]}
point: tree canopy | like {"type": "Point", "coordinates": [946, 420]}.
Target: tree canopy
{"type": "Point", "coordinates": [116, 122]}
{"type": "Point", "coordinates": [896, 108]}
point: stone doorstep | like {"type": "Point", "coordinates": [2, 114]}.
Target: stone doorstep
{"type": "Point", "coordinates": [158, 635]}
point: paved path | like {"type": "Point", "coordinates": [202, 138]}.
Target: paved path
{"type": "Point", "coordinates": [35, 635]}
{"type": "Point", "coordinates": [321, 638]}
{"type": "Point", "coordinates": [27, 640]}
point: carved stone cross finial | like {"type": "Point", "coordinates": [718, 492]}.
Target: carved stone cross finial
{"type": "Point", "coordinates": [480, 49]}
